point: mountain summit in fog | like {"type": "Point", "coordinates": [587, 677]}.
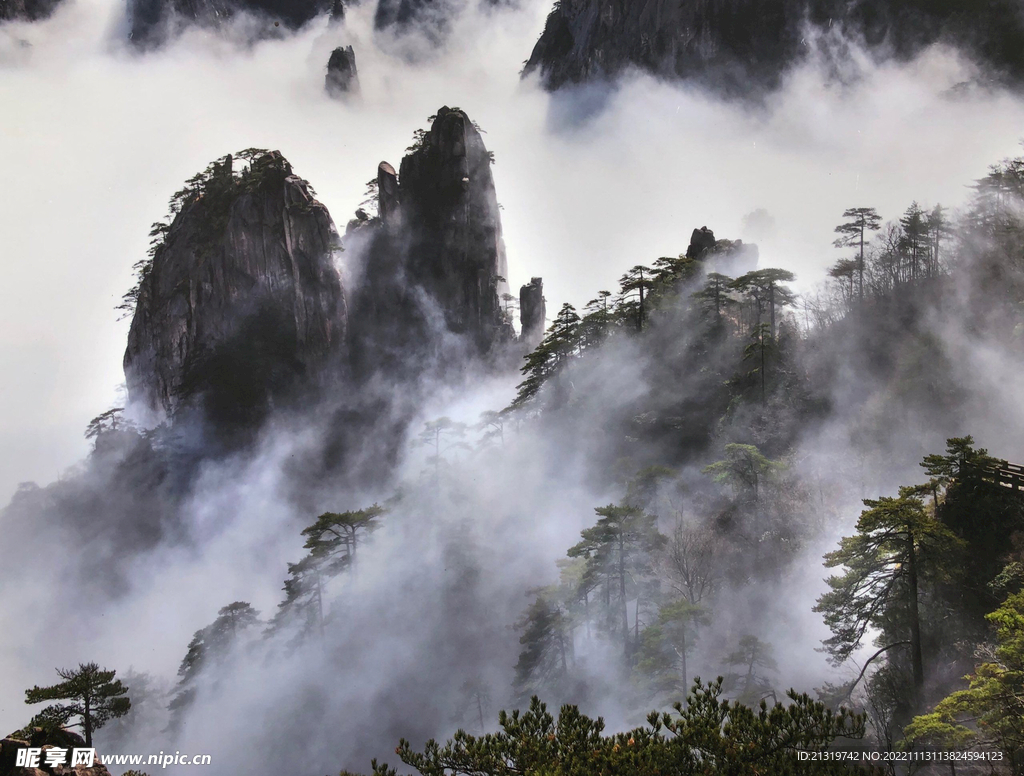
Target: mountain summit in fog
{"type": "Point", "coordinates": [742, 46]}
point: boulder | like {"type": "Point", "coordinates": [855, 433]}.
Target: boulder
{"type": "Point", "coordinates": [701, 241]}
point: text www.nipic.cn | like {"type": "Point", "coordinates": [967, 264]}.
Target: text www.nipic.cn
{"type": "Point", "coordinates": [52, 756]}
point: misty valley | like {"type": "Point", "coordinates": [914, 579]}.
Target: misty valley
{"type": "Point", "coordinates": [727, 478]}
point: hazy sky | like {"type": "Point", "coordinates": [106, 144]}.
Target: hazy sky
{"type": "Point", "coordinates": [98, 137]}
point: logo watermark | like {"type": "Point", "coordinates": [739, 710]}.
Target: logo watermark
{"type": "Point", "coordinates": [52, 756]}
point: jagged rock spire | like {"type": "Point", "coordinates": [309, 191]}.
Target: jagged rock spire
{"type": "Point", "coordinates": [242, 303]}
{"type": "Point", "coordinates": [342, 75]}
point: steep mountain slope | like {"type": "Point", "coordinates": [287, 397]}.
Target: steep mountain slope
{"type": "Point", "coordinates": [435, 261]}
{"type": "Point", "coordinates": [740, 46]}
{"type": "Point", "coordinates": [152, 21]}
{"type": "Point", "coordinates": [242, 302]}
{"type": "Point", "coordinates": [26, 10]}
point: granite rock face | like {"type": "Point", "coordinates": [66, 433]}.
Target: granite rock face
{"type": "Point", "coordinates": [701, 241]}
{"type": "Point", "coordinates": [26, 10]}
{"type": "Point", "coordinates": [342, 76]}
{"type": "Point", "coordinates": [154, 21]}
{"type": "Point", "coordinates": [431, 19]}
{"type": "Point", "coordinates": [742, 46]}
{"type": "Point", "coordinates": [727, 257]}
{"type": "Point", "coordinates": [243, 304]}
{"type": "Point", "coordinates": [435, 263]}
{"type": "Point", "coordinates": [532, 312]}
{"type": "Point", "coordinates": [404, 13]}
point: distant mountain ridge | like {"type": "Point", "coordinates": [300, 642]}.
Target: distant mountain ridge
{"type": "Point", "coordinates": [740, 46]}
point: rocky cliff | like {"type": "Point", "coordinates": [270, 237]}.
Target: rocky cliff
{"type": "Point", "coordinates": [342, 76]}
{"type": "Point", "coordinates": [429, 17]}
{"type": "Point", "coordinates": [153, 21]}
{"type": "Point", "coordinates": [532, 312]}
{"type": "Point", "coordinates": [435, 265]}
{"type": "Point", "coordinates": [743, 45]}
{"type": "Point", "coordinates": [242, 303]}
{"type": "Point", "coordinates": [26, 10]}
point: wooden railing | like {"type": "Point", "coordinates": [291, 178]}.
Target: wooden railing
{"type": "Point", "coordinates": [1006, 475]}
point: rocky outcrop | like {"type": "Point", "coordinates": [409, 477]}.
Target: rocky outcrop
{"type": "Point", "coordinates": [701, 241]}
{"type": "Point", "coordinates": [403, 13]}
{"type": "Point", "coordinates": [153, 21]}
{"type": "Point", "coordinates": [743, 46]}
{"type": "Point", "coordinates": [388, 199]}
{"type": "Point", "coordinates": [727, 257]}
{"type": "Point", "coordinates": [434, 261]}
{"type": "Point", "coordinates": [532, 312]}
{"type": "Point", "coordinates": [342, 77]}
{"type": "Point", "coordinates": [242, 303]}
{"type": "Point", "coordinates": [26, 10]}
{"type": "Point", "coordinates": [431, 19]}
{"type": "Point", "coordinates": [451, 218]}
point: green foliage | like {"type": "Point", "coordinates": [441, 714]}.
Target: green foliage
{"type": "Point", "coordinates": [96, 698]}
{"type": "Point", "coordinates": [618, 553]}
{"type": "Point", "coordinates": [334, 536]}
{"type": "Point", "coordinates": [332, 543]}
{"type": "Point", "coordinates": [853, 233]}
{"type": "Point", "coordinates": [715, 294]}
{"type": "Point", "coordinates": [666, 646]}
{"type": "Point", "coordinates": [984, 516]}
{"type": "Point", "coordinates": [212, 190]}
{"type": "Point", "coordinates": [764, 289]}
{"type": "Point", "coordinates": [560, 345]}
{"type": "Point", "coordinates": [745, 469]}
{"type": "Point", "coordinates": [706, 736]}
{"type": "Point", "coordinates": [209, 647]}
{"type": "Point", "coordinates": [633, 289]}
{"type": "Point", "coordinates": [547, 648]}
{"type": "Point", "coordinates": [990, 712]}
{"type": "Point", "coordinates": [751, 657]}
{"type": "Point", "coordinates": [898, 547]}
{"type": "Point", "coordinates": [961, 461]}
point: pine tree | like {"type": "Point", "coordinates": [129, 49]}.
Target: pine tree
{"type": "Point", "coordinates": [666, 646]}
{"type": "Point", "coordinates": [633, 289]}
{"type": "Point", "coordinates": [96, 698]}
{"type": "Point", "coordinates": [441, 436]}
{"type": "Point", "coordinates": [708, 735]}
{"type": "Point", "coordinates": [334, 537]}
{"type": "Point", "coordinates": [897, 546]}
{"type": "Point", "coordinates": [751, 656]}
{"type": "Point", "coordinates": [853, 232]}
{"type": "Point", "coordinates": [915, 238]}
{"type": "Point", "coordinates": [546, 657]}
{"type": "Point", "coordinates": [597, 321]}
{"type": "Point", "coordinates": [990, 711]}
{"type": "Point", "coordinates": [846, 270]}
{"type": "Point", "coordinates": [715, 294]}
{"type": "Point", "coordinates": [939, 229]}
{"type": "Point", "coordinates": [207, 649]}
{"type": "Point", "coordinates": [560, 345]}
{"type": "Point", "coordinates": [765, 290]}
{"type": "Point", "coordinates": [619, 550]}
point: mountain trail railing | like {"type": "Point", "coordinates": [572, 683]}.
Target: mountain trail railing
{"type": "Point", "coordinates": [1006, 475]}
